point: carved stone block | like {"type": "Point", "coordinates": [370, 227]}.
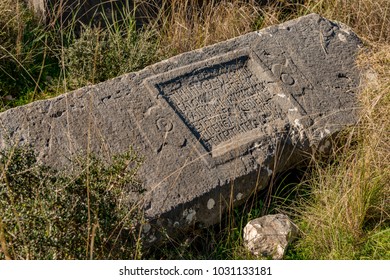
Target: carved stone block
{"type": "Point", "coordinates": [213, 124]}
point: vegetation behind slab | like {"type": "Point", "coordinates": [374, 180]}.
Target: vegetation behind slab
{"type": "Point", "coordinates": [341, 204]}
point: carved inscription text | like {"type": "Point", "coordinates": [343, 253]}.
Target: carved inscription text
{"type": "Point", "coordinates": [221, 101]}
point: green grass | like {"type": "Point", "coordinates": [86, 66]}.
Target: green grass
{"type": "Point", "coordinates": [26, 59]}
{"type": "Point", "coordinates": [340, 204]}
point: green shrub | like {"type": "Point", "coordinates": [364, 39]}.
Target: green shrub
{"type": "Point", "coordinates": [45, 215]}
{"type": "Point", "coordinates": [100, 54]}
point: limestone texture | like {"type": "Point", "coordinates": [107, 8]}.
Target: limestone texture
{"type": "Point", "coordinates": [213, 125]}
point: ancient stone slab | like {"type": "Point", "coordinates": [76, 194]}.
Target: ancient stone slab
{"type": "Point", "coordinates": [269, 236]}
{"type": "Point", "coordinates": [213, 125]}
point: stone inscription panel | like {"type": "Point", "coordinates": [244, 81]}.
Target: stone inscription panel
{"type": "Point", "coordinates": [223, 102]}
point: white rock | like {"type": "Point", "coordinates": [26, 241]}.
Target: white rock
{"type": "Point", "coordinates": [269, 235]}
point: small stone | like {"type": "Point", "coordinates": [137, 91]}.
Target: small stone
{"type": "Point", "coordinates": [146, 228]}
{"type": "Point", "coordinates": [210, 204]}
{"type": "Point", "coordinates": [269, 235]}
{"type": "Point", "coordinates": [49, 79]}
{"type": "Point", "coordinates": [8, 98]}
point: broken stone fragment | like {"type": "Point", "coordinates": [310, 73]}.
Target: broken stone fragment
{"type": "Point", "coordinates": [269, 236]}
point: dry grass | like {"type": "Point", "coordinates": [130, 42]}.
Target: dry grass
{"type": "Point", "coordinates": [188, 25]}
{"type": "Point", "coordinates": [369, 18]}
{"type": "Point", "coordinates": [350, 198]}
{"type": "Point", "coordinates": [11, 23]}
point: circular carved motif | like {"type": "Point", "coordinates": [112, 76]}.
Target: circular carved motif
{"type": "Point", "coordinates": [287, 79]}
{"type": "Point", "coordinates": [164, 124]}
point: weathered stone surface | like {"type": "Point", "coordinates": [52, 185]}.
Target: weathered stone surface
{"type": "Point", "coordinates": [212, 124]}
{"type": "Point", "coordinates": [269, 236]}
